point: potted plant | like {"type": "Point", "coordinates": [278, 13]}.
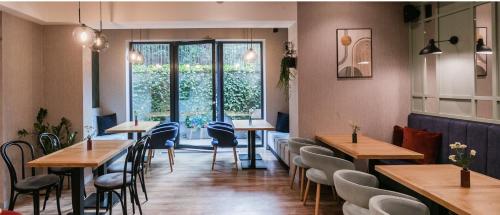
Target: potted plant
{"type": "Point", "coordinates": [463, 158]}
{"type": "Point", "coordinates": [288, 62]}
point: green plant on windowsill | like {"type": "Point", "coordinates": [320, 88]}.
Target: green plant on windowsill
{"type": "Point", "coordinates": [63, 130]}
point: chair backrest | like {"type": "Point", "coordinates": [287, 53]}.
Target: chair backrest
{"type": "Point", "coordinates": [321, 158]}
{"type": "Point", "coordinates": [49, 143]}
{"type": "Point", "coordinates": [104, 122]}
{"type": "Point", "coordinates": [358, 187]}
{"type": "Point", "coordinates": [224, 137]}
{"type": "Point", "coordinates": [176, 124]}
{"type": "Point", "coordinates": [223, 127]}
{"type": "Point", "coordinates": [387, 205]}
{"type": "Point", "coordinates": [160, 135]}
{"type": "Point", "coordinates": [146, 140]}
{"type": "Point", "coordinates": [20, 145]}
{"type": "Point", "coordinates": [221, 123]}
{"type": "Point", "coordinates": [137, 153]}
{"type": "Point", "coordinates": [295, 143]}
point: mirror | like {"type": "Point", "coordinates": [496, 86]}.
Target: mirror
{"type": "Point", "coordinates": [483, 57]}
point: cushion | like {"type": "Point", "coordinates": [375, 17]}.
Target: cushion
{"type": "Point", "coordinates": [397, 135]}
{"type": "Point", "coordinates": [37, 182]}
{"type": "Point", "coordinates": [427, 143]}
{"type": "Point", "coordinates": [282, 123]}
{"type": "Point", "coordinates": [104, 122]}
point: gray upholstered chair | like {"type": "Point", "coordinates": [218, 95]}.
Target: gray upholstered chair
{"type": "Point", "coordinates": [294, 144]}
{"type": "Point", "coordinates": [356, 188]}
{"type": "Point", "coordinates": [387, 205]}
{"type": "Point", "coordinates": [322, 167]}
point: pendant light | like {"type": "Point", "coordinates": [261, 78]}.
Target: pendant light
{"type": "Point", "coordinates": [134, 56]}
{"type": "Point", "coordinates": [101, 42]}
{"type": "Point", "coordinates": [83, 34]}
{"type": "Point", "coordinates": [140, 56]}
{"type": "Point", "coordinates": [250, 55]}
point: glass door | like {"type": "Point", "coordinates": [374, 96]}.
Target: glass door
{"type": "Point", "coordinates": [195, 99]}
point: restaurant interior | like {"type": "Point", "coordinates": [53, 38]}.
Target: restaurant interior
{"type": "Point", "coordinates": [264, 107]}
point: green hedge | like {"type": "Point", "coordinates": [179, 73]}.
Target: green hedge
{"type": "Point", "coordinates": [242, 90]}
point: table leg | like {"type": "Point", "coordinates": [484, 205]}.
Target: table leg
{"type": "Point", "coordinates": [77, 186]}
{"type": "Point", "coordinates": [139, 135]}
{"type": "Point", "coordinates": [252, 163]}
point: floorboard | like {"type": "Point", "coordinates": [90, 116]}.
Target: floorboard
{"type": "Point", "coordinates": [194, 189]}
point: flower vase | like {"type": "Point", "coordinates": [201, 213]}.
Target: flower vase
{"type": "Point", "coordinates": [465, 178]}
{"type": "Point", "coordinates": [136, 122]}
{"type": "Point", "coordinates": [89, 144]}
{"type": "Point", "coordinates": [354, 137]}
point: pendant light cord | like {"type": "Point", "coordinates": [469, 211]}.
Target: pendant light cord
{"type": "Point", "coordinates": [100, 15]}
{"type": "Point", "coordinates": [79, 14]}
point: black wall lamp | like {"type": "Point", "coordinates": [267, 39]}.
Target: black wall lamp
{"type": "Point", "coordinates": [481, 48]}
{"type": "Point", "coordinates": [431, 47]}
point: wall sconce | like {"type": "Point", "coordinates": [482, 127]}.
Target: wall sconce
{"type": "Point", "coordinates": [481, 48]}
{"type": "Point", "coordinates": [431, 47]}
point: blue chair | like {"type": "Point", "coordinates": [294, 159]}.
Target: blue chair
{"type": "Point", "coordinates": [221, 123]}
{"type": "Point", "coordinates": [223, 137]}
{"type": "Point", "coordinates": [164, 124]}
{"type": "Point", "coordinates": [163, 138]}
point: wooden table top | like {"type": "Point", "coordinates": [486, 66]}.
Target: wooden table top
{"type": "Point", "coordinates": [257, 124]}
{"type": "Point", "coordinates": [130, 127]}
{"type": "Point", "coordinates": [367, 148]}
{"type": "Point", "coordinates": [441, 183]}
{"type": "Point", "coordinates": [77, 156]}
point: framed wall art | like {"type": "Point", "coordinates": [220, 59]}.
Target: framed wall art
{"type": "Point", "coordinates": [354, 53]}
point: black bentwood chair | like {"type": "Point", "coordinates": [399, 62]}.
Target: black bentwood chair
{"type": "Point", "coordinates": [31, 185]}
{"type": "Point", "coordinates": [50, 143]}
{"type": "Point", "coordinates": [121, 180]}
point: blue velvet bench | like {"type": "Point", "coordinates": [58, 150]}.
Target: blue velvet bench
{"type": "Point", "coordinates": [483, 137]}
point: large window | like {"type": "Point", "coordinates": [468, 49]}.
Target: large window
{"type": "Point", "coordinates": [204, 85]}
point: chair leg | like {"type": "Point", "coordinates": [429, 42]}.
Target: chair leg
{"type": "Point", "coordinates": [58, 199]}
{"type": "Point", "coordinates": [143, 183]}
{"type": "Point", "coordinates": [136, 196]}
{"type": "Point", "coordinates": [170, 160]}
{"type": "Point", "coordinates": [47, 194]}
{"type": "Point", "coordinates": [124, 195]}
{"type": "Point", "coordinates": [294, 171]}
{"type": "Point", "coordinates": [110, 202]}
{"type": "Point", "coordinates": [172, 155]}
{"type": "Point", "coordinates": [36, 202]}
{"type": "Point", "coordinates": [215, 155]}
{"type": "Point", "coordinates": [132, 198]}
{"type": "Point", "coordinates": [124, 209]}
{"type": "Point", "coordinates": [318, 192]}
{"type": "Point", "coordinates": [12, 199]}
{"type": "Point", "coordinates": [97, 202]}
{"type": "Point", "coordinates": [302, 179]}
{"type": "Point", "coordinates": [307, 191]}
{"type": "Point", "coordinates": [235, 158]}
{"type": "Point", "coordinates": [150, 153]}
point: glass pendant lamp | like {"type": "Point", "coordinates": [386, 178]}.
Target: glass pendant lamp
{"type": "Point", "coordinates": [250, 55]}
{"type": "Point", "coordinates": [83, 34]}
{"type": "Point", "coordinates": [101, 42]}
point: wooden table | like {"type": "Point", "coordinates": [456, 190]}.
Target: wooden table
{"type": "Point", "coordinates": [367, 149]}
{"type": "Point", "coordinates": [77, 158]}
{"type": "Point", "coordinates": [130, 127]}
{"type": "Point", "coordinates": [441, 184]}
{"type": "Point", "coordinates": [257, 125]}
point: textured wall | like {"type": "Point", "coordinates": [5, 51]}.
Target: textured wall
{"type": "Point", "coordinates": [114, 70]}
{"type": "Point", "coordinates": [21, 85]}
{"type": "Point", "coordinates": [326, 103]}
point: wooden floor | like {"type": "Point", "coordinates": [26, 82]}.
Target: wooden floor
{"type": "Point", "coordinates": [194, 189]}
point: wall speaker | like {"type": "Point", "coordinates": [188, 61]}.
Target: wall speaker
{"type": "Point", "coordinates": [411, 13]}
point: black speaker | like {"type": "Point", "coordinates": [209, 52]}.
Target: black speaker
{"type": "Point", "coordinates": [411, 13]}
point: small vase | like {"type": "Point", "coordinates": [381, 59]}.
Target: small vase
{"type": "Point", "coordinates": [465, 178]}
{"type": "Point", "coordinates": [354, 137]}
{"type": "Point", "coordinates": [136, 122]}
{"type": "Point", "coordinates": [250, 121]}
{"type": "Point", "coordinates": [89, 144]}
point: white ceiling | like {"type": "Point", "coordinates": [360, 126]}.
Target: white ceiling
{"type": "Point", "coordinates": [125, 15]}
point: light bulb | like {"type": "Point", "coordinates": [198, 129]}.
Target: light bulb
{"type": "Point", "coordinates": [84, 35]}
{"type": "Point", "coordinates": [140, 58]}
{"type": "Point", "coordinates": [250, 56]}
{"type": "Point", "coordinates": [132, 56]}
{"type": "Point", "coordinates": [100, 43]}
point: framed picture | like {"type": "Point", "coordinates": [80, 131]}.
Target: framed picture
{"type": "Point", "coordinates": [482, 59]}
{"type": "Point", "coordinates": [354, 53]}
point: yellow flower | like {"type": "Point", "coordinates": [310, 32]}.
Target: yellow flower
{"type": "Point", "coordinates": [452, 146]}
{"type": "Point", "coordinates": [463, 146]}
{"type": "Point", "coordinates": [452, 158]}
{"type": "Point", "coordinates": [473, 152]}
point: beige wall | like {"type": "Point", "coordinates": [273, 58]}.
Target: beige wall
{"type": "Point", "coordinates": [113, 76]}
{"type": "Point", "coordinates": [63, 76]}
{"type": "Point", "coordinates": [21, 75]}
{"type": "Point", "coordinates": [293, 91]}
{"type": "Point", "coordinates": [326, 103]}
